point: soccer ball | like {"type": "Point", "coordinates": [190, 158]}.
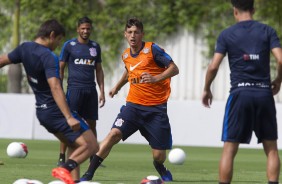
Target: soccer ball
{"type": "Point", "coordinates": [152, 180]}
{"type": "Point", "coordinates": [17, 150]}
{"type": "Point", "coordinates": [34, 182]}
{"type": "Point", "coordinates": [21, 181]}
{"type": "Point", "coordinates": [177, 156]}
{"type": "Point", "coordinates": [56, 182]}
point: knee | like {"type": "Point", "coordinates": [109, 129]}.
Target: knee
{"type": "Point", "coordinates": [159, 156]}
{"type": "Point", "coordinates": [115, 135]}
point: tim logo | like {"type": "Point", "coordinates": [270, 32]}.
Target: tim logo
{"type": "Point", "coordinates": [248, 57]}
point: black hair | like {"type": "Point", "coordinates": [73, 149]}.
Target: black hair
{"type": "Point", "coordinates": [48, 26]}
{"type": "Point", "coordinates": [243, 5]}
{"type": "Point", "coordinates": [134, 22]}
{"type": "Point", "coordinates": [84, 20]}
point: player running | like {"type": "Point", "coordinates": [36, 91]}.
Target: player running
{"type": "Point", "coordinates": [148, 69]}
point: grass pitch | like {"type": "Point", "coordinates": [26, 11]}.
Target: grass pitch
{"type": "Point", "coordinates": [129, 163]}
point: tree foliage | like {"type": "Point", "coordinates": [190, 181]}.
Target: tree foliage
{"type": "Point", "coordinates": [161, 18]}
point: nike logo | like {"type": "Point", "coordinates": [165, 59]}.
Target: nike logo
{"type": "Point", "coordinates": [131, 68]}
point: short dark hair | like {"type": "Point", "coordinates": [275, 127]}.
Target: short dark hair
{"type": "Point", "coordinates": [84, 20]}
{"type": "Point", "coordinates": [244, 5]}
{"type": "Point", "coordinates": [48, 26]}
{"type": "Point", "coordinates": [134, 22]}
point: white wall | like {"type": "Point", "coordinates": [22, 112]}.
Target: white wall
{"type": "Point", "coordinates": [192, 124]}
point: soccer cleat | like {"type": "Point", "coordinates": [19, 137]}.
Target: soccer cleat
{"type": "Point", "coordinates": [86, 177]}
{"type": "Point", "coordinates": [167, 176]}
{"type": "Point", "coordinates": [62, 174]}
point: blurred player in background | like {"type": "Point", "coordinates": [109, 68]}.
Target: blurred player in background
{"type": "Point", "coordinates": [250, 106]}
{"type": "Point", "coordinates": [148, 69]}
{"type": "Point", "coordinates": [42, 70]}
{"type": "Point", "coordinates": [83, 57]}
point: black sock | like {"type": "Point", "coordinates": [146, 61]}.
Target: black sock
{"type": "Point", "coordinates": [160, 168]}
{"type": "Point", "coordinates": [94, 164]}
{"type": "Point", "coordinates": [70, 165]}
{"type": "Point", "coordinates": [223, 183]}
{"type": "Point", "coordinates": [62, 157]}
{"type": "Point", "coordinates": [273, 182]}
{"type": "Point", "coordinates": [90, 158]}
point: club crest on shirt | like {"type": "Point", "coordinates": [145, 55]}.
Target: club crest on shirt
{"type": "Point", "coordinates": [125, 56]}
{"type": "Point", "coordinates": [119, 122]}
{"type": "Point", "coordinates": [72, 43]}
{"type": "Point", "coordinates": [146, 50]}
{"type": "Point", "coordinates": [93, 52]}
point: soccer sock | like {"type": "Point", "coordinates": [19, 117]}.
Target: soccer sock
{"type": "Point", "coordinates": [62, 157]}
{"type": "Point", "coordinates": [273, 182]}
{"type": "Point", "coordinates": [70, 165]}
{"type": "Point", "coordinates": [223, 183]}
{"type": "Point", "coordinates": [94, 164]}
{"type": "Point", "coordinates": [160, 168]}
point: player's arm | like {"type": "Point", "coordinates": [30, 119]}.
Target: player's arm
{"type": "Point", "coordinates": [171, 71]}
{"type": "Point", "coordinates": [62, 70]}
{"type": "Point", "coordinates": [100, 81]}
{"type": "Point", "coordinates": [210, 76]}
{"type": "Point", "coordinates": [276, 83]}
{"type": "Point", "coordinates": [60, 99]}
{"type": "Point", "coordinates": [123, 80]}
{"type": "Point", "coordinates": [4, 60]}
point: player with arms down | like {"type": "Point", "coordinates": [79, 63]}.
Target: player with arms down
{"type": "Point", "coordinates": [250, 105]}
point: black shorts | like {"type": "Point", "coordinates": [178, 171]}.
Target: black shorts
{"type": "Point", "coordinates": [84, 102]}
{"type": "Point", "coordinates": [247, 111]}
{"type": "Point", "coordinates": [154, 126]}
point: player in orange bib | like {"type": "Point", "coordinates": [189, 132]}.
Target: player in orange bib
{"type": "Point", "coordinates": [148, 70]}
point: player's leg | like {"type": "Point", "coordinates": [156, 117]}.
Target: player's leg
{"type": "Point", "coordinates": [106, 145]}
{"type": "Point", "coordinates": [156, 129]}
{"type": "Point", "coordinates": [79, 151]}
{"type": "Point", "coordinates": [227, 161]}
{"type": "Point", "coordinates": [273, 160]}
{"type": "Point", "coordinates": [62, 155]}
{"type": "Point", "coordinates": [122, 128]}
{"type": "Point", "coordinates": [159, 157]}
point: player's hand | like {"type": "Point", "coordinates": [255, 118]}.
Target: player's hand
{"type": "Point", "coordinates": [275, 86]}
{"type": "Point", "coordinates": [73, 123]}
{"type": "Point", "coordinates": [147, 78]}
{"type": "Point", "coordinates": [102, 100]}
{"type": "Point", "coordinates": [113, 92]}
{"type": "Point", "coordinates": [207, 98]}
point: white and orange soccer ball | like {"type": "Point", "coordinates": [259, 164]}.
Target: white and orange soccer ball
{"type": "Point", "coordinates": [17, 150]}
{"type": "Point", "coordinates": [152, 180]}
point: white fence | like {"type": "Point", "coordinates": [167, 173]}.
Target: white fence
{"type": "Point", "coordinates": [191, 123]}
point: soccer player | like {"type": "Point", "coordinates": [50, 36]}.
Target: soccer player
{"type": "Point", "coordinates": [42, 70]}
{"type": "Point", "coordinates": [83, 57]}
{"type": "Point", "coordinates": [250, 105]}
{"type": "Point", "coordinates": [148, 70]}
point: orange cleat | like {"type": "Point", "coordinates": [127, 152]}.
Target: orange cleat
{"type": "Point", "coordinates": [62, 174]}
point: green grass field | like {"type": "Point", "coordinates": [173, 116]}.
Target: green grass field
{"type": "Point", "coordinates": [128, 164]}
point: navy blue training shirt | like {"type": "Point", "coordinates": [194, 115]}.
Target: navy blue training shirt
{"type": "Point", "coordinates": [40, 63]}
{"type": "Point", "coordinates": [81, 59]}
{"type": "Point", "coordinates": [248, 45]}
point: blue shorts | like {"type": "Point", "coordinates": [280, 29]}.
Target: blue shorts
{"type": "Point", "coordinates": [154, 126]}
{"type": "Point", "coordinates": [247, 111]}
{"type": "Point", "coordinates": [84, 102]}
{"type": "Point", "coordinates": [54, 121]}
